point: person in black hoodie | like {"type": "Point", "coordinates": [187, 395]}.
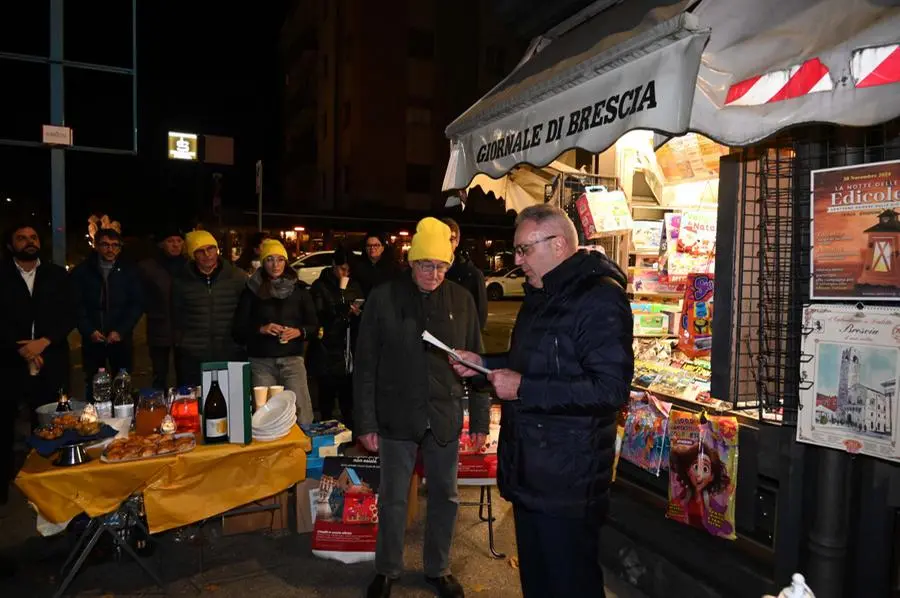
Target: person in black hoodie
{"type": "Point", "coordinates": [467, 274]}
{"type": "Point", "coordinates": [275, 318]}
{"type": "Point", "coordinates": [109, 303]}
{"type": "Point", "coordinates": [566, 375]}
{"type": "Point", "coordinates": [157, 274]}
{"type": "Point", "coordinates": [338, 306]}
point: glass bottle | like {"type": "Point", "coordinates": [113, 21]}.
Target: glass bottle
{"type": "Point", "coordinates": [215, 414]}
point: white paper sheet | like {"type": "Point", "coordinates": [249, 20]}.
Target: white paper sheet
{"type": "Point", "coordinates": [436, 342]}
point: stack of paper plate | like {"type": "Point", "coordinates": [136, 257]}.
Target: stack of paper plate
{"type": "Point", "coordinates": [276, 418]}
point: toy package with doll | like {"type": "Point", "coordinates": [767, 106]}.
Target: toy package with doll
{"type": "Point", "coordinates": [703, 471]}
{"type": "Point", "coordinates": [646, 440]}
{"type": "Point", "coordinates": [695, 336]}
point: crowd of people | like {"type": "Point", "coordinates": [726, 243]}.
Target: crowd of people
{"type": "Point", "coordinates": [358, 331]}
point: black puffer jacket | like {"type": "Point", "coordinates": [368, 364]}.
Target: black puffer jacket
{"type": "Point", "coordinates": [257, 308]}
{"type": "Point", "coordinates": [572, 345]}
{"type": "Point", "coordinates": [466, 274]}
{"type": "Point", "coordinates": [107, 304]}
{"type": "Point", "coordinates": [326, 355]}
{"type": "Point", "coordinates": [203, 308]}
{"type": "Point", "coordinates": [157, 274]}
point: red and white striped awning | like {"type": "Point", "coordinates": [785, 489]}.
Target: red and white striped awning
{"type": "Point", "coordinates": [752, 69]}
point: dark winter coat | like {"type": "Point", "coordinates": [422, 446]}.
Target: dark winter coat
{"type": "Point", "coordinates": [203, 308]}
{"type": "Point", "coordinates": [463, 272]}
{"type": "Point", "coordinates": [370, 275]}
{"type": "Point", "coordinates": [51, 308]}
{"type": "Point", "coordinates": [156, 275]}
{"type": "Point", "coordinates": [327, 356]}
{"type": "Point", "coordinates": [572, 345]}
{"type": "Point", "coordinates": [255, 310]}
{"type": "Point", "coordinates": [114, 304]}
{"type": "Point", "coordinates": [401, 386]}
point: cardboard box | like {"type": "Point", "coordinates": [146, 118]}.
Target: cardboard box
{"type": "Point", "coordinates": [306, 493]}
{"type": "Point", "coordinates": [269, 519]}
{"type": "Point", "coordinates": [234, 380]}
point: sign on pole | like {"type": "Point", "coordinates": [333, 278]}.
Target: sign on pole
{"type": "Point", "coordinates": [54, 135]}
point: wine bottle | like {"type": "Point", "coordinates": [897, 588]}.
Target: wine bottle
{"type": "Point", "coordinates": [215, 413]}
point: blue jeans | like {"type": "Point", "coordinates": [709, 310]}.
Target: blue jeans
{"type": "Point", "coordinates": [289, 372]}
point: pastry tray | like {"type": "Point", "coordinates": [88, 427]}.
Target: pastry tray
{"type": "Point", "coordinates": [192, 446]}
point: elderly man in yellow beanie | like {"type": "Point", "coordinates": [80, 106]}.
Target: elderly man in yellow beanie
{"type": "Point", "coordinates": [407, 398]}
{"type": "Point", "coordinates": [204, 299]}
{"type": "Point", "coordinates": [275, 319]}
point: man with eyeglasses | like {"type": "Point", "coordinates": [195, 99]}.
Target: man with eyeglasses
{"type": "Point", "coordinates": [109, 304]}
{"type": "Point", "coordinates": [407, 398]}
{"type": "Point", "coordinates": [566, 374]}
{"type": "Point", "coordinates": [376, 265]}
{"type": "Point", "coordinates": [204, 300]}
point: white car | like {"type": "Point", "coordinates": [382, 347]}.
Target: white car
{"type": "Point", "coordinates": [310, 266]}
{"type": "Point", "coordinates": [506, 282]}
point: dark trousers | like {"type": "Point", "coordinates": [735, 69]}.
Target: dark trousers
{"type": "Point", "coordinates": [336, 389]}
{"type": "Point", "coordinates": [398, 459]}
{"type": "Point", "coordinates": [159, 360]}
{"type": "Point", "coordinates": [112, 356]}
{"type": "Point", "coordinates": [558, 557]}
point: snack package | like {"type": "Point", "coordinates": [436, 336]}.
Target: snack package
{"type": "Point", "coordinates": [703, 471]}
{"type": "Point", "coordinates": [695, 337]}
{"type": "Point", "coordinates": [646, 441]}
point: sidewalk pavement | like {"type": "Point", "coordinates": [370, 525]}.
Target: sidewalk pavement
{"type": "Point", "coordinates": [264, 564]}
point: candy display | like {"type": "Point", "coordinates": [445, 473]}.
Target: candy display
{"type": "Point", "coordinates": [703, 471]}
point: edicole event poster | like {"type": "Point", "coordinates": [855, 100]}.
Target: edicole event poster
{"type": "Point", "coordinates": [856, 232]}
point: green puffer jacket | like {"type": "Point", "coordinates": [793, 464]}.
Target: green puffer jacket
{"type": "Point", "coordinates": [203, 309]}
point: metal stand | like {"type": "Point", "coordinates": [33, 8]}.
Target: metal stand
{"type": "Point", "coordinates": [485, 502]}
{"type": "Point", "coordinates": [111, 523]}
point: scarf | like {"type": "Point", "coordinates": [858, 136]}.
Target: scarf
{"type": "Point", "coordinates": [265, 288]}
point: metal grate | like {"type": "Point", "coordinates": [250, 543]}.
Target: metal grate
{"type": "Point", "coordinates": [772, 269]}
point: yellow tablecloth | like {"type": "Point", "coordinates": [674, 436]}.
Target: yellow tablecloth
{"type": "Point", "coordinates": [178, 490]}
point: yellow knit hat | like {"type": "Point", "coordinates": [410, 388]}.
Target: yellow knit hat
{"type": "Point", "coordinates": [272, 247]}
{"type": "Point", "coordinates": [197, 239]}
{"type": "Point", "coordinates": [431, 242]}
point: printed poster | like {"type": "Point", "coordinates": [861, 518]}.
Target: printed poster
{"type": "Point", "coordinates": [346, 509]}
{"type": "Point", "coordinates": [856, 232]}
{"type": "Point", "coordinates": [849, 379]}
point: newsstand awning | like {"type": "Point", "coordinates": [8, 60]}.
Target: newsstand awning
{"type": "Point", "coordinates": [733, 70]}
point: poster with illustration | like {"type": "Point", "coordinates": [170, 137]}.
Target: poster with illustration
{"type": "Point", "coordinates": [703, 471]}
{"type": "Point", "coordinates": [856, 232]}
{"type": "Point", "coordinates": [646, 441]}
{"type": "Point", "coordinates": [849, 375]}
{"type": "Point", "coordinates": [346, 509]}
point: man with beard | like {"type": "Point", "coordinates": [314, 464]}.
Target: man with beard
{"type": "Point", "coordinates": [157, 274]}
{"type": "Point", "coordinates": [37, 312]}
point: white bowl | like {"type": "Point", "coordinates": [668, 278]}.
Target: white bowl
{"type": "Point", "coordinates": [274, 436]}
{"type": "Point", "coordinates": [285, 420]}
{"type": "Point", "coordinates": [47, 412]}
{"type": "Point", "coordinates": [275, 409]}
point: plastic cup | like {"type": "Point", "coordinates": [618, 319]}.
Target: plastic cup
{"type": "Point", "coordinates": [274, 390]}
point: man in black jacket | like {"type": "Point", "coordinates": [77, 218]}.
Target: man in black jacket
{"type": "Point", "coordinates": [157, 274]}
{"type": "Point", "coordinates": [376, 265]}
{"type": "Point", "coordinates": [464, 272]}
{"type": "Point", "coordinates": [109, 303]}
{"type": "Point", "coordinates": [407, 397]}
{"type": "Point", "coordinates": [565, 376]}
{"type": "Point", "coordinates": [37, 312]}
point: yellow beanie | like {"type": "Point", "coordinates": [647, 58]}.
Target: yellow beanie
{"type": "Point", "coordinates": [272, 247]}
{"type": "Point", "coordinates": [431, 242]}
{"type": "Point", "coordinates": [197, 239]}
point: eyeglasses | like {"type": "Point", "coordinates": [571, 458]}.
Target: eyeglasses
{"type": "Point", "coordinates": [374, 245]}
{"type": "Point", "coordinates": [431, 268]}
{"type": "Point", "coordinates": [105, 245]}
{"type": "Point", "coordinates": [524, 249]}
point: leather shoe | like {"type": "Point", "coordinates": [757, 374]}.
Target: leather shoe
{"type": "Point", "coordinates": [380, 587]}
{"type": "Point", "coordinates": [446, 586]}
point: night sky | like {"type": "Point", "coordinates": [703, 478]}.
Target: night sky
{"type": "Point", "coordinates": [202, 68]}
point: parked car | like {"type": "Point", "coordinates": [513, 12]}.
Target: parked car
{"type": "Point", "coordinates": [309, 266]}
{"type": "Point", "coordinates": [506, 282]}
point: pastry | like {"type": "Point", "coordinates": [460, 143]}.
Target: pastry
{"type": "Point", "coordinates": [51, 432]}
{"type": "Point", "coordinates": [86, 428]}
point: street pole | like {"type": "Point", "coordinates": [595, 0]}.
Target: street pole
{"type": "Point", "coordinates": [259, 190]}
{"type": "Point", "coordinates": [57, 117]}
